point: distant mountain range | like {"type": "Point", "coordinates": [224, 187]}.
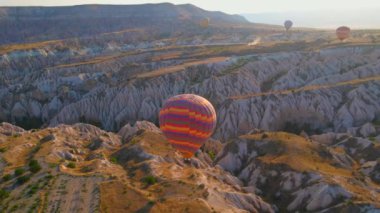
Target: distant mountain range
{"type": "Point", "coordinates": [21, 24]}
{"type": "Point", "coordinates": [360, 18]}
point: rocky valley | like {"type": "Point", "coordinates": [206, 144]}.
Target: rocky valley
{"type": "Point", "coordinates": [298, 113]}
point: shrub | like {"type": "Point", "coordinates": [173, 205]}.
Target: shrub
{"type": "Point", "coordinates": [47, 138]}
{"type": "Point", "coordinates": [373, 139]}
{"type": "Point", "coordinates": [7, 177]}
{"type": "Point", "coordinates": [33, 189]}
{"type": "Point", "coordinates": [52, 165]}
{"type": "Point", "coordinates": [48, 176]}
{"type": "Point", "coordinates": [34, 166]}
{"type": "Point", "coordinates": [149, 180]}
{"type": "Point", "coordinates": [19, 171]}
{"type": "Point", "coordinates": [211, 154]}
{"type": "Point", "coordinates": [36, 148]}
{"type": "Point", "coordinates": [86, 169]}
{"type": "Point", "coordinates": [71, 165]}
{"type": "Point", "coordinates": [3, 149]}
{"type": "Point", "coordinates": [113, 160]}
{"type": "Point", "coordinates": [14, 208]}
{"type": "Point", "coordinates": [3, 194]}
{"type": "Point", "coordinates": [23, 179]}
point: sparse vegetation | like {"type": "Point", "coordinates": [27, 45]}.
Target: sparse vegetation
{"type": "Point", "coordinates": [35, 205]}
{"type": "Point", "coordinates": [263, 136]}
{"type": "Point", "coordinates": [7, 177]}
{"type": "Point", "coordinates": [34, 166]}
{"type": "Point", "coordinates": [14, 208]}
{"type": "Point", "coordinates": [47, 138]}
{"type": "Point", "coordinates": [3, 149]}
{"type": "Point", "coordinates": [93, 122]}
{"type": "Point", "coordinates": [71, 165]}
{"type": "Point", "coordinates": [373, 139]}
{"type": "Point", "coordinates": [33, 189]}
{"type": "Point", "coordinates": [49, 176]}
{"type": "Point", "coordinates": [3, 194]}
{"type": "Point", "coordinates": [211, 154]}
{"type": "Point", "coordinates": [149, 180]}
{"type": "Point", "coordinates": [52, 165]}
{"type": "Point", "coordinates": [19, 171]}
{"type": "Point", "coordinates": [236, 66]}
{"type": "Point", "coordinates": [349, 202]}
{"type": "Point", "coordinates": [201, 186]}
{"type": "Point", "coordinates": [36, 149]}
{"type": "Point", "coordinates": [297, 128]}
{"type": "Point", "coordinates": [113, 160]}
{"type": "Point", "coordinates": [376, 122]}
{"type": "Point", "coordinates": [23, 179]}
{"type": "Point", "coordinates": [86, 169]}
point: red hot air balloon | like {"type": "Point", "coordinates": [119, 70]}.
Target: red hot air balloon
{"type": "Point", "coordinates": [343, 32]}
{"type": "Point", "coordinates": [187, 121]}
{"type": "Point", "coordinates": [288, 24]}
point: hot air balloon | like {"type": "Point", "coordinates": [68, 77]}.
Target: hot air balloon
{"type": "Point", "coordinates": [187, 121]}
{"type": "Point", "coordinates": [288, 24]}
{"type": "Point", "coordinates": [204, 22]}
{"type": "Point", "coordinates": [343, 32]}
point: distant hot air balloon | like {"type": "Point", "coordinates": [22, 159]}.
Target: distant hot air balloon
{"type": "Point", "coordinates": [204, 22]}
{"type": "Point", "coordinates": [343, 32]}
{"type": "Point", "coordinates": [288, 24]}
{"type": "Point", "coordinates": [187, 121]}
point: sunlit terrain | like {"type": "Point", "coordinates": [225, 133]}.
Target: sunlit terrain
{"type": "Point", "coordinates": [297, 112]}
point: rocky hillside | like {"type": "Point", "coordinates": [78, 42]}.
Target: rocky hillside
{"type": "Point", "coordinates": [324, 89]}
{"type": "Point", "coordinates": [323, 173]}
{"type": "Point", "coordinates": [27, 24]}
{"type": "Point", "coordinates": [83, 168]}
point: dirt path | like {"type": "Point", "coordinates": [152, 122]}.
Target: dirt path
{"type": "Point", "coordinates": [74, 194]}
{"type": "Point", "coordinates": [308, 88]}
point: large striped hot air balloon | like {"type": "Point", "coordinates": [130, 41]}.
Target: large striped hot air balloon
{"type": "Point", "coordinates": [187, 121]}
{"type": "Point", "coordinates": [288, 24]}
{"type": "Point", "coordinates": [343, 32]}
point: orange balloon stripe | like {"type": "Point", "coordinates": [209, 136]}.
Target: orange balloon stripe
{"type": "Point", "coordinates": [168, 127]}
{"type": "Point", "coordinates": [172, 141]}
{"type": "Point", "coordinates": [186, 154]}
{"type": "Point", "coordinates": [195, 126]}
{"type": "Point", "coordinates": [197, 115]}
{"type": "Point", "coordinates": [187, 126]}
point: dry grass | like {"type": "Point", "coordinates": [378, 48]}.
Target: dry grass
{"type": "Point", "coordinates": [302, 155]}
{"type": "Point", "coordinates": [309, 88]}
{"type": "Point", "coordinates": [118, 197]}
{"type": "Point", "coordinates": [27, 46]}
{"type": "Point", "coordinates": [96, 60]}
{"type": "Point", "coordinates": [177, 68]}
{"type": "Point", "coordinates": [167, 56]}
{"type": "Point", "coordinates": [134, 30]}
{"type": "Point", "coordinates": [299, 153]}
{"type": "Point", "coordinates": [19, 149]}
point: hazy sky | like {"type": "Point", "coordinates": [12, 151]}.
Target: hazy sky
{"type": "Point", "coordinates": [229, 6]}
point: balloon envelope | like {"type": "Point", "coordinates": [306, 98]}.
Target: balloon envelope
{"type": "Point", "coordinates": [288, 24]}
{"type": "Point", "coordinates": [343, 32]}
{"type": "Point", "coordinates": [187, 121]}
